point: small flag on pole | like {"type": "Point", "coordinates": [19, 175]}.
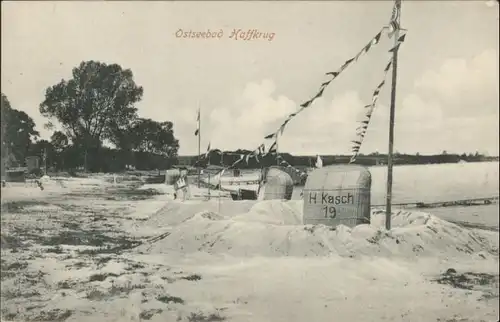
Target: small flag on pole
{"type": "Point", "coordinates": [180, 183]}
{"type": "Point", "coordinates": [197, 124]}
{"type": "Point", "coordinates": [208, 150]}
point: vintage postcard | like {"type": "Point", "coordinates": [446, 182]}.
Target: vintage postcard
{"type": "Point", "coordinates": [250, 161]}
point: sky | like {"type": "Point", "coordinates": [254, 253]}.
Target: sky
{"type": "Point", "coordinates": [447, 83]}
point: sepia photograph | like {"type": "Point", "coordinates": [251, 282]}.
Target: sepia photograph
{"type": "Point", "coordinates": [250, 161]}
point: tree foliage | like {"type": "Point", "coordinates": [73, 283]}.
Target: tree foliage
{"type": "Point", "coordinates": [147, 135]}
{"type": "Point", "coordinates": [97, 100]}
{"type": "Point", "coordinates": [18, 131]}
{"type": "Point", "coordinates": [59, 141]}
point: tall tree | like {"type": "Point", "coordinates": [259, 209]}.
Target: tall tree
{"type": "Point", "coordinates": [97, 99]}
{"type": "Point", "coordinates": [18, 131]}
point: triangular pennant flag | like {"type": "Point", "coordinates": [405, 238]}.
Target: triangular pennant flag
{"type": "Point", "coordinates": [359, 133]}
{"type": "Point", "coordinates": [388, 66]}
{"type": "Point", "coordinates": [380, 85]}
{"type": "Point", "coordinates": [359, 54]}
{"type": "Point", "coordinates": [356, 142]}
{"type": "Point", "coordinates": [272, 148]}
{"type": "Point", "coordinates": [376, 39]}
{"type": "Point", "coordinates": [346, 64]}
{"type": "Point", "coordinates": [369, 105]}
{"type": "Point", "coordinates": [306, 104]}
{"type": "Point", "coordinates": [361, 129]}
{"type": "Point", "coordinates": [326, 83]}
{"type": "Point", "coordinates": [197, 124]}
{"type": "Point", "coordinates": [395, 48]}
{"type": "Point", "coordinates": [282, 127]}
{"type": "Point", "coordinates": [367, 48]}
{"type": "Point", "coordinates": [365, 122]}
{"type": "Point", "coordinates": [401, 38]}
{"type": "Point", "coordinates": [320, 93]}
{"type": "Point", "coordinates": [334, 74]}
{"type": "Point", "coordinates": [270, 136]}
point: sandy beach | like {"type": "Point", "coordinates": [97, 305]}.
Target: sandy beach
{"type": "Point", "coordinates": [90, 250]}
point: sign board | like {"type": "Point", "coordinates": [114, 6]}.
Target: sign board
{"type": "Point", "coordinates": [336, 195]}
{"type": "Point", "coordinates": [180, 183]}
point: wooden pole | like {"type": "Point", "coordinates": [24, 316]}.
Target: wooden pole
{"type": "Point", "coordinates": [209, 186]}
{"type": "Point", "coordinates": [208, 177]}
{"type": "Point", "coordinates": [388, 208]}
{"type": "Point", "coordinates": [85, 160]}
{"type": "Point", "coordinates": [45, 161]}
{"type": "Point", "coordinates": [199, 145]}
{"type": "Point", "coordinates": [277, 153]}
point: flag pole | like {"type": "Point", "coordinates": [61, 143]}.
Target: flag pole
{"type": "Point", "coordinates": [208, 151]}
{"type": "Point", "coordinates": [199, 144]}
{"type": "Point", "coordinates": [388, 207]}
{"type": "Point", "coordinates": [277, 153]}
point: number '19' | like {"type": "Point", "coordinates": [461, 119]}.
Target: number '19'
{"type": "Point", "coordinates": [330, 212]}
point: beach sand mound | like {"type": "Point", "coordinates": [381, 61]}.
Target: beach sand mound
{"type": "Point", "coordinates": [274, 228]}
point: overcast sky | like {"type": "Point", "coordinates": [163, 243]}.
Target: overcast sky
{"type": "Point", "coordinates": [447, 94]}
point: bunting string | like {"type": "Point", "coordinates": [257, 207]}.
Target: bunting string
{"type": "Point", "coordinates": [260, 152]}
{"type": "Point", "coordinates": [372, 43]}
{"type": "Point", "coordinates": [361, 130]}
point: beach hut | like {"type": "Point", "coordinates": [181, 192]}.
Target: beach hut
{"type": "Point", "coordinates": [277, 184]}
{"type": "Point", "coordinates": [171, 176]}
{"type": "Point", "coordinates": [337, 194]}
{"type": "Point", "coordinates": [294, 173]}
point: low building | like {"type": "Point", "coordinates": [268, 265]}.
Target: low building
{"type": "Point", "coordinates": [32, 163]}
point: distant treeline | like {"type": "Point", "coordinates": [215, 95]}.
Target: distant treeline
{"type": "Point", "coordinates": [229, 157]}
{"type": "Point", "coordinates": [97, 159]}
{"type": "Point", "coordinates": [105, 160]}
